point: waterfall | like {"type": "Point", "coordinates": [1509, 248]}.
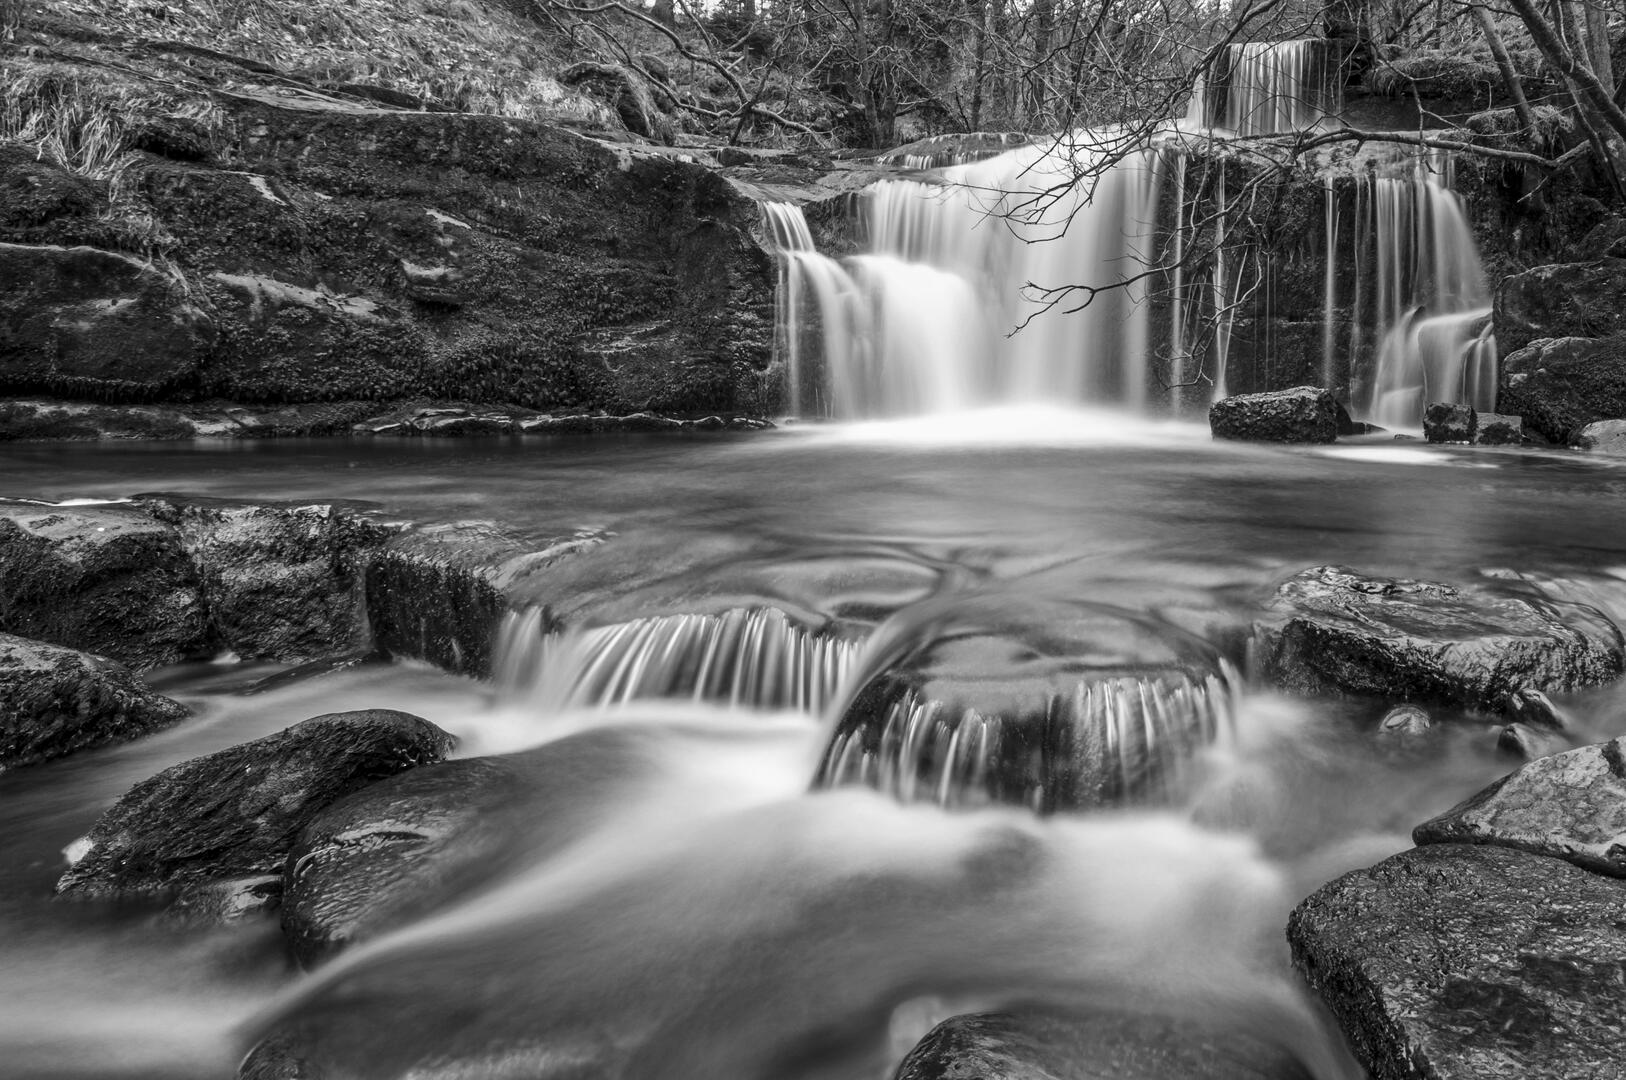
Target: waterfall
{"type": "Point", "coordinates": [743, 657]}
{"type": "Point", "coordinates": [922, 322]}
{"type": "Point", "coordinates": [1109, 741]}
{"type": "Point", "coordinates": [1422, 291]}
{"type": "Point", "coordinates": [1266, 88]}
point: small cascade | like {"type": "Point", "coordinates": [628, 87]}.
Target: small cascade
{"type": "Point", "coordinates": [922, 322]}
{"type": "Point", "coordinates": [743, 657]}
{"type": "Point", "coordinates": [1110, 741]}
{"type": "Point", "coordinates": [1266, 88]}
{"type": "Point", "coordinates": [1420, 296]}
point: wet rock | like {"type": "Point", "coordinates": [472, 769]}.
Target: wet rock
{"type": "Point", "coordinates": [282, 581]}
{"type": "Point", "coordinates": [1100, 1046]}
{"type": "Point", "coordinates": [1054, 707]}
{"type": "Point", "coordinates": [442, 285]}
{"type": "Point", "coordinates": [95, 323]}
{"type": "Point", "coordinates": [1304, 414]}
{"type": "Point", "coordinates": [1530, 706]}
{"type": "Point", "coordinates": [107, 579]}
{"type": "Point", "coordinates": [1525, 742]}
{"type": "Point", "coordinates": [1449, 422]}
{"type": "Point", "coordinates": [1562, 300]}
{"type": "Point", "coordinates": [1405, 720]}
{"type": "Point", "coordinates": [54, 701]}
{"type": "Point", "coordinates": [440, 592]}
{"type": "Point", "coordinates": [1332, 630]}
{"type": "Point", "coordinates": [1604, 437]}
{"type": "Point", "coordinates": [198, 829]}
{"type": "Point", "coordinates": [1561, 385]}
{"type": "Point", "coordinates": [1571, 806]}
{"type": "Point", "coordinates": [1458, 962]}
{"type": "Point", "coordinates": [1494, 429]}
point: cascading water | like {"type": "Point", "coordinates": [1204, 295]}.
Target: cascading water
{"type": "Point", "coordinates": [1266, 88]}
{"type": "Point", "coordinates": [921, 323]}
{"type": "Point", "coordinates": [743, 658]}
{"type": "Point", "coordinates": [1420, 295]}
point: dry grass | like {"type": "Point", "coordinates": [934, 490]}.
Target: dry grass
{"type": "Point", "coordinates": [470, 56]}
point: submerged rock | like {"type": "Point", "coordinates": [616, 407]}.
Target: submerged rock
{"type": "Point", "coordinates": [224, 822]}
{"type": "Point", "coordinates": [439, 593]}
{"type": "Point", "coordinates": [1099, 1046]}
{"type": "Point", "coordinates": [1459, 962]}
{"type": "Point", "coordinates": [1333, 630]}
{"type": "Point", "coordinates": [1525, 742]}
{"type": "Point", "coordinates": [1304, 414]}
{"type": "Point", "coordinates": [54, 701]}
{"type": "Point", "coordinates": [1450, 422]}
{"type": "Point", "coordinates": [106, 579]}
{"type": "Point", "coordinates": [282, 581]}
{"type": "Point", "coordinates": [1561, 385]}
{"type": "Point", "coordinates": [1405, 720]}
{"type": "Point", "coordinates": [1052, 707]}
{"type": "Point", "coordinates": [1570, 805]}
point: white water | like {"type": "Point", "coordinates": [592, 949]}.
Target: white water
{"type": "Point", "coordinates": [1268, 88]}
{"type": "Point", "coordinates": [1430, 308]}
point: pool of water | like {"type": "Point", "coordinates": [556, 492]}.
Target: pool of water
{"type": "Point", "coordinates": [717, 919]}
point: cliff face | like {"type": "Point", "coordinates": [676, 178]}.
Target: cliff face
{"type": "Point", "coordinates": [302, 246]}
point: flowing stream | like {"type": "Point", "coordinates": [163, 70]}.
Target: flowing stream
{"type": "Point", "coordinates": [723, 886]}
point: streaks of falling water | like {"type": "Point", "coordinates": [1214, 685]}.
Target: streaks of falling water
{"type": "Point", "coordinates": [1114, 740]}
{"type": "Point", "coordinates": [1266, 87]}
{"type": "Point", "coordinates": [743, 658]}
{"type": "Point", "coordinates": [1431, 304]}
{"type": "Point", "coordinates": [921, 323]}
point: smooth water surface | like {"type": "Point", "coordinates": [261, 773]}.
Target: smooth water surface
{"type": "Point", "coordinates": [713, 918]}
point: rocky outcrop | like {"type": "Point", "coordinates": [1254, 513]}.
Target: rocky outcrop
{"type": "Point", "coordinates": [1332, 630]}
{"type": "Point", "coordinates": [106, 579]}
{"type": "Point", "coordinates": [281, 581]}
{"type": "Point", "coordinates": [1459, 962]}
{"type": "Point", "coordinates": [1028, 1046]}
{"type": "Point", "coordinates": [222, 824]}
{"type": "Point", "coordinates": [1560, 385]}
{"type": "Point", "coordinates": [78, 320]}
{"type": "Point", "coordinates": [1562, 300]}
{"type": "Point", "coordinates": [1570, 805]}
{"type": "Point", "coordinates": [1304, 414]}
{"type": "Point", "coordinates": [1497, 429]}
{"type": "Point", "coordinates": [439, 593]}
{"type": "Point", "coordinates": [54, 701]}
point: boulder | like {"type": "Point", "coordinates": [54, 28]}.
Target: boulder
{"type": "Point", "coordinates": [92, 323]}
{"type": "Point", "coordinates": [440, 592]}
{"type": "Point", "coordinates": [1462, 962]}
{"type": "Point", "coordinates": [1096, 1046]}
{"type": "Point", "coordinates": [54, 701]}
{"type": "Point", "coordinates": [1405, 721]}
{"type": "Point", "coordinates": [1525, 742]}
{"type": "Point", "coordinates": [1570, 805]}
{"type": "Point", "coordinates": [1561, 300]}
{"type": "Point", "coordinates": [1449, 422]}
{"type": "Point", "coordinates": [1561, 385]}
{"type": "Point", "coordinates": [222, 824]}
{"type": "Point", "coordinates": [1051, 706]}
{"type": "Point", "coordinates": [1303, 414]}
{"type": "Point", "coordinates": [106, 579]}
{"type": "Point", "coordinates": [282, 581]}
{"type": "Point", "coordinates": [1604, 437]}
{"type": "Point", "coordinates": [1495, 429]}
{"type": "Point", "coordinates": [1332, 630]}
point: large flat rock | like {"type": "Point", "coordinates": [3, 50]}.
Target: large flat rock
{"type": "Point", "coordinates": [1458, 962]}
{"type": "Point", "coordinates": [1570, 805]}
{"type": "Point", "coordinates": [1330, 629]}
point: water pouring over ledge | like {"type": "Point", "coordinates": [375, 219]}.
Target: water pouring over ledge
{"type": "Point", "coordinates": [972, 289]}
